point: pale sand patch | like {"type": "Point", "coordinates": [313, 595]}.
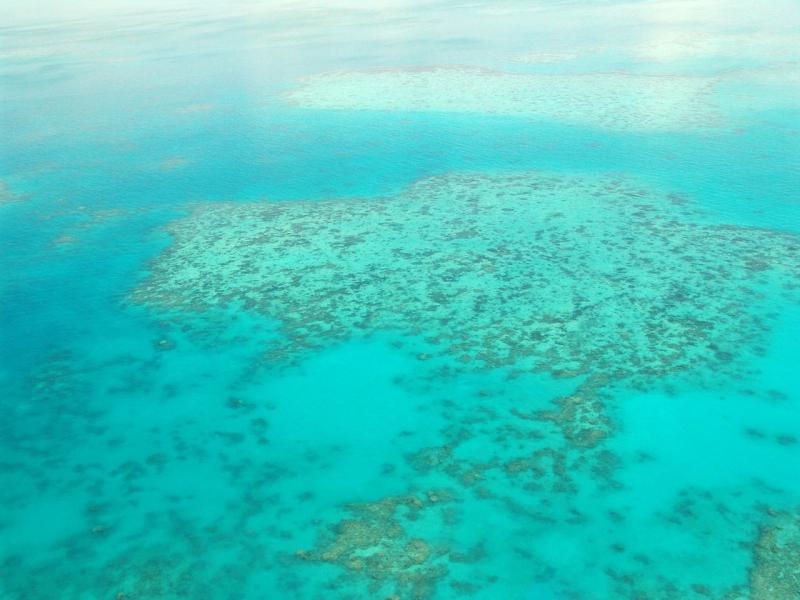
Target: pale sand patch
{"type": "Point", "coordinates": [195, 108]}
{"type": "Point", "coordinates": [611, 101]}
{"type": "Point", "coordinates": [536, 58]}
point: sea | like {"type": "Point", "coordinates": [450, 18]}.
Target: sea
{"type": "Point", "coordinates": [400, 300]}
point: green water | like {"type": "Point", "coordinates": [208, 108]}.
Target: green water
{"type": "Point", "coordinates": [493, 300]}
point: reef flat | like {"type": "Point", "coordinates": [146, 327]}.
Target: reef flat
{"type": "Point", "coordinates": [573, 275]}
{"type": "Point", "coordinates": [575, 288]}
{"type": "Point", "coordinates": [611, 101]}
{"type": "Point", "coordinates": [776, 569]}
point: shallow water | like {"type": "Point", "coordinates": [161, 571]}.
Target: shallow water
{"type": "Point", "coordinates": [425, 300]}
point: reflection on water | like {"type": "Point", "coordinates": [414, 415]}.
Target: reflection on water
{"type": "Point", "coordinates": [418, 300]}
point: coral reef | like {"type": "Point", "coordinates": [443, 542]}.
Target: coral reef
{"type": "Point", "coordinates": [376, 543]}
{"type": "Point", "coordinates": [775, 574]}
{"type": "Point", "coordinates": [581, 277]}
{"type": "Point", "coordinates": [614, 101]}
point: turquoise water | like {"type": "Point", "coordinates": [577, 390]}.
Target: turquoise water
{"type": "Point", "coordinates": [425, 300]}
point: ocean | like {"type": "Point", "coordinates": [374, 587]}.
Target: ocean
{"type": "Point", "coordinates": [400, 300]}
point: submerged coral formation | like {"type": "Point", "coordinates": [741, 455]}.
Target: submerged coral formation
{"type": "Point", "coordinates": [576, 276]}
{"type": "Point", "coordinates": [376, 543]}
{"type": "Point", "coordinates": [593, 283]}
{"type": "Point", "coordinates": [613, 101]}
{"type": "Point", "coordinates": [775, 574]}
